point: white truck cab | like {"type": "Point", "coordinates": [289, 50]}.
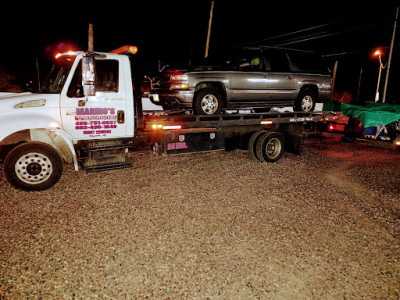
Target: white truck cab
{"type": "Point", "coordinates": [38, 131]}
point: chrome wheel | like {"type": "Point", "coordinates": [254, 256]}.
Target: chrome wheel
{"type": "Point", "coordinates": [307, 103]}
{"type": "Point", "coordinates": [33, 168]}
{"type": "Point", "coordinates": [209, 104]}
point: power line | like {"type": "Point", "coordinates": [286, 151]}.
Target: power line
{"type": "Point", "coordinates": [339, 54]}
{"type": "Point", "coordinates": [324, 34]}
{"type": "Point", "coordinates": [294, 32]}
{"type": "Point", "coordinates": [312, 36]}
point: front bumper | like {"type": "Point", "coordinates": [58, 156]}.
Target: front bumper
{"type": "Point", "coordinates": [172, 99]}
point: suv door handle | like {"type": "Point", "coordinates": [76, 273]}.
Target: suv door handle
{"type": "Point", "coordinates": [264, 76]}
{"type": "Point", "coordinates": [290, 77]}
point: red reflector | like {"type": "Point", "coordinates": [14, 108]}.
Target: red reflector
{"type": "Point", "coordinates": [266, 122]}
{"type": "Point", "coordinates": [172, 127]}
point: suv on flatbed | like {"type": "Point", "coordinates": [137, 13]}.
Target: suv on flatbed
{"type": "Point", "coordinates": [256, 78]}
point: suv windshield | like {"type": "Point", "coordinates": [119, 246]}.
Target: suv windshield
{"type": "Point", "coordinates": [58, 74]}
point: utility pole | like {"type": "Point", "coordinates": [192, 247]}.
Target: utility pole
{"type": "Point", "coordinates": [390, 56]}
{"type": "Point", "coordinates": [334, 75]}
{"type": "Point", "coordinates": [379, 53]}
{"type": "Point", "coordinates": [38, 74]}
{"type": "Point", "coordinates": [209, 29]}
{"type": "Point", "coordinates": [90, 39]}
{"type": "Point", "coordinates": [359, 86]}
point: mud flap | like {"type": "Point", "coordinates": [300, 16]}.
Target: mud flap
{"type": "Point", "coordinates": [293, 137]}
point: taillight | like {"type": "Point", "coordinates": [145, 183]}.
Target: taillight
{"type": "Point", "coordinates": [179, 81]}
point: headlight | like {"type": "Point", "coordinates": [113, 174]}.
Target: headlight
{"type": "Point", "coordinates": [179, 77]}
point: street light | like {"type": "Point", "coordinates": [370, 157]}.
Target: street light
{"type": "Point", "coordinates": [379, 54]}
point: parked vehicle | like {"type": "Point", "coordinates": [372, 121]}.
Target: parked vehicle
{"type": "Point", "coordinates": [254, 78]}
{"type": "Point", "coordinates": [378, 121]}
{"type": "Point", "coordinates": [89, 113]}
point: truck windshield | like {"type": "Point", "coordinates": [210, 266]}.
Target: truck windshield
{"type": "Point", "coordinates": [58, 75]}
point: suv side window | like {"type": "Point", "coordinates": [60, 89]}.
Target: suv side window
{"type": "Point", "coordinates": [249, 61]}
{"type": "Point", "coordinates": [307, 62]}
{"type": "Point", "coordinates": [277, 60]}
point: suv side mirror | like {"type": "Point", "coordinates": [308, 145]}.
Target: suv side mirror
{"type": "Point", "coordinates": [88, 76]}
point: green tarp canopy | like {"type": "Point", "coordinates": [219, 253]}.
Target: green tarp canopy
{"type": "Point", "coordinates": [371, 115]}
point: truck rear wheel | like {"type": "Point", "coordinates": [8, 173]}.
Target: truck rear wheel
{"type": "Point", "coordinates": [33, 167]}
{"type": "Point", "coordinates": [252, 145]}
{"type": "Point", "coordinates": [208, 101]}
{"type": "Point", "coordinates": [270, 147]}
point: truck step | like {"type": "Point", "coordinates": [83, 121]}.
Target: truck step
{"type": "Point", "coordinates": [108, 167]}
{"type": "Point", "coordinates": [108, 147]}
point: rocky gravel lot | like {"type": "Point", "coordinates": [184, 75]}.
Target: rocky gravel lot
{"type": "Point", "coordinates": [321, 225]}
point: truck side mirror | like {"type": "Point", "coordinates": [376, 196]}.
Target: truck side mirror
{"type": "Point", "coordinates": [88, 76]}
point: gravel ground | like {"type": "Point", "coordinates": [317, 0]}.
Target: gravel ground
{"type": "Point", "coordinates": [321, 225]}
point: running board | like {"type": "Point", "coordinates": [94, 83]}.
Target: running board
{"type": "Point", "coordinates": [108, 167]}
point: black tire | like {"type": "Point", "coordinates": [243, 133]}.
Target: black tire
{"type": "Point", "coordinates": [270, 147]}
{"type": "Point", "coordinates": [306, 101]}
{"type": "Point", "coordinates": [33, 167]}
{"type": "Point", "coordinates": [208, 101]}
{"type": "Point", "coordinates": [251, 146]}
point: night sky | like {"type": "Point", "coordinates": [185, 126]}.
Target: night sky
{"type": "Point", "coordinates": [175, 32]}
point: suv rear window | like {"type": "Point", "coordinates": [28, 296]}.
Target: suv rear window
{"type": "Point", "coordinates": [306, 62]}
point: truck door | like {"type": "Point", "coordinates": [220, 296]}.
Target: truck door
{"type": "Point", "coordinates": [100, 116]}
{"type": "Point", "coordinates": [281, 82]}
{"type": "Point", "coordinates": [249, 79]}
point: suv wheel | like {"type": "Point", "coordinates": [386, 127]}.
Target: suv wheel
{"type": "Point", "coordinates": [306, 101]}
{"type": "Point", "coordinates": [208, 101]}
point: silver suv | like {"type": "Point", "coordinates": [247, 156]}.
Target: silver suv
{"type": "Point", "coordinates": [256, 78]}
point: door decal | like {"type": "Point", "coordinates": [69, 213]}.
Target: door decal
{"type": "Point", "coordinates": [95, 121]}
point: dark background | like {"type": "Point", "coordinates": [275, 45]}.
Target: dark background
{"type": "Point", "coordinates": [174, 33]}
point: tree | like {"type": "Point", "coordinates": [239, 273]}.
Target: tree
{"type": "Point", "coordinates": [7, 83]}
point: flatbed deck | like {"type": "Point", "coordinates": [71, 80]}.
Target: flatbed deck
{"type": "Point", "coordinates": [225, 120]}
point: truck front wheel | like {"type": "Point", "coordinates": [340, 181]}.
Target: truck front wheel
{"type": "Point", "coordinates": [33, 167]}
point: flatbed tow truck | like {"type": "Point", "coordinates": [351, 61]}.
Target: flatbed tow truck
{"type": "Point", "coordinates": [89, 113]}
